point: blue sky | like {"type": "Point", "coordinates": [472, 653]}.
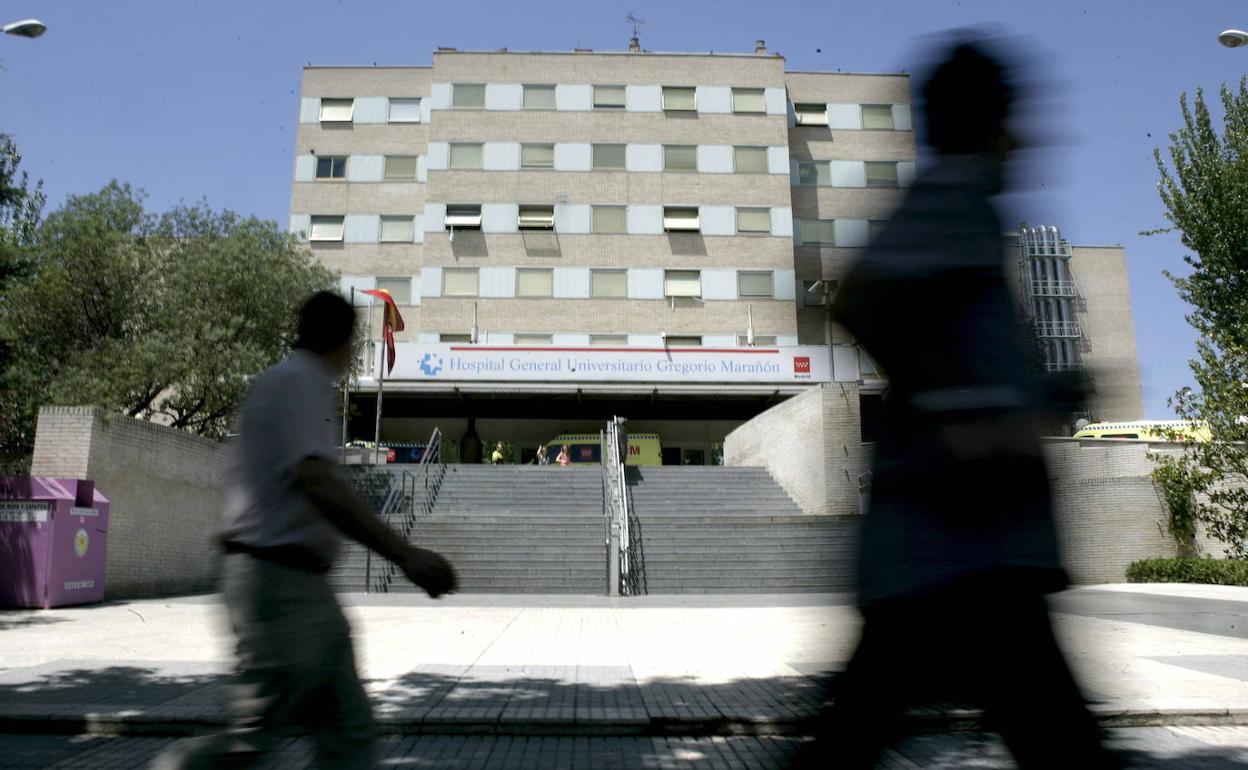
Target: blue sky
{"type": "Point", "coordinates": [200, 99]}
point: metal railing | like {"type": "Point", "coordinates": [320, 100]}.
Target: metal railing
{"type": "Point", "coordinates": [1063, 329]}
{"type": "Point", "coordinates": [1053, 288]}
{"type": "Point", "coordinates": [615, 510]}
{"type": "Point", "coordinates": [401, 508]}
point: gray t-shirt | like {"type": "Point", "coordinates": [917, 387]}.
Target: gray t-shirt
{"type": "Point", "coordinates": [287, 416]}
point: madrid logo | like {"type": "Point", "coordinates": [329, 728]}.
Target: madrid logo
{"type": "Point", "coordinates": [431, 364]}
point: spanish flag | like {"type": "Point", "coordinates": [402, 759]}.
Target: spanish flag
{"type": "Point", "coordinates": [391, 322]}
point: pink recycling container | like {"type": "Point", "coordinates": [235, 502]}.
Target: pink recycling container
{"type": "Point", "coordinates": [53, 542]}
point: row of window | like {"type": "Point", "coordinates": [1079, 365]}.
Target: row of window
{"type": "Point", "coordinates": [848, 233]}
{"type": "Point", "coordinates": [605, 220]}
{"type": "Point", "coordinates": [609, 283]}
{"type": "Point", "coordinates": [676, 157]}
{"type": "Point", "coordinates": [670, 99]}
{"type": "Point", "coordinates": [612, 340]}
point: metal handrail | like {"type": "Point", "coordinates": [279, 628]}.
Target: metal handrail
{"type": "Point", "coordinates": [615, 509]}
{"type": "Point", "coordinates": [401, 499]}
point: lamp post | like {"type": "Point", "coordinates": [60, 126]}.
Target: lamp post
{"type": "Point", "coordinates": [26, 28]}
{"type": "Point", "coordinates": [1233, 38]}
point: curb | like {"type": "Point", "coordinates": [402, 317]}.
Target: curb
{"type": "Point", "coordinates": [137, 724]}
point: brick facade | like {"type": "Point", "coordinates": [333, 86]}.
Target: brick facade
{"type": "Point", "coordinates": [165, 490]}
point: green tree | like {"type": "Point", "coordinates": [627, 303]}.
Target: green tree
{"type": "Point", "coordinates": [158, 317]}
{"type": "Point", "coordinates": [20, 209]}
{"type": "Point", "coordinates": [1205, 192]}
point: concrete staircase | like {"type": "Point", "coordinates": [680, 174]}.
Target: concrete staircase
{"type": "Point", "coordinates": [507, 529]}
{"type": "Point", "coordinates": [531, 529]}
{"type": "Point", "coordinates": [733, 530]}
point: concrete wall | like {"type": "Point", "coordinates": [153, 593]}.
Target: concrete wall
{"type": "Point", "coordinates": [811, 444]}
{"type": "Point", "coordinates": [1105, 315]}
{"type": "Point", "coordinates": [164, 486]}
{"type": "Point", "coordinates": [1108, 511]}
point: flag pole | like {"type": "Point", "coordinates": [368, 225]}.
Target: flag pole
{"type": "Point", "coordinates": [346, 391]}
{"type": "Point", "coordinates": [381, 386]}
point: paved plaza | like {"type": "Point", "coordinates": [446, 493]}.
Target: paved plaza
{"type": "Point", "coordinates": [548, 681]}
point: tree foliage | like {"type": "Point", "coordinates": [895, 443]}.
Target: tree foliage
{"type": "Point", "coordinates": [1205, 192]}
{"type": "Point", "coordinates": [156, 316]}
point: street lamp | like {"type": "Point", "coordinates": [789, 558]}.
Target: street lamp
{"type": "Point", "coordinates": [26, 28]}
{"type": "Point", "coordinates": [1233, 38]}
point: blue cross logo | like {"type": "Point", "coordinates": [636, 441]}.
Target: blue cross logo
{"type": "Point", "coordinates": [431, 365]}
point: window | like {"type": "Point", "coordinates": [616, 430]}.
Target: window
{"type": "Point", "coordinates": [539, 97]}
{"type": "Point", "coordinates": [754, 221]}
{"type": "Point", "coordinates": [608, 339]}
{"type": "Point", "coordinates": [337, 110]}
{"type": "Point", "coordinates": [468, 96]}
{"type": "Point", "coordinates": [818, 232]}
{"type": "Point", "coordinates": [810, 114]}
{"type": "Point", "coordinates": [610, 219]}
{"type": "Point", "coordinates": [683, 341]}
{"type": "Point", "coordinates": [877, 116]}
{"type": "Point", "coordinates": [880, 174]}
{"type": "Point", "coordinates": [682, 283]}
{"type": "Point", "coordinates": [608, 283]}
{"type": "Point", "coordinates": [875, 227]}
{"type": "Point", "coordinates": [535, 282]}
{"type": "Point", "coordinates": [680, 157]}
{"type": "Point", "coordinates": [400, 168]}
{"type": "Point", "coordinates": [760, 340]}
{"type": "Point", "coordinates": [325, 229]}
{"type": "Point", "coordinates": [679, 99]}
{"type": "Point", "coordinates": [404, 111]}
{"type": "Point", "coordinates": [463, 215]}
{"type": "Point", "coordinates": [459, 282]}
{"type": "Point", "coordinates": [537, 156]}
{"type": "Point", "coordinates": [608, 155]}
{"type": "Point", "coordinates": [464, 338]}
{"type": "Point", "coordinates": [750, 160]}
{"type": "Point", "coordinates": [532, 339]}
{"type": "Point", "coordinates": [680, 218]}
{"type": "Point", "coordinates": [755, 283]}
{"type": "Point", "coordinates": [331, 166]}
{"type": "Point", "coordinates": [814, 172]}
{"type": "Point", "coordinates": [397, 230]}
{"type": "Point", "coordinates": [399, 287]}
{"type": "Point", "coordinates": [465, 156]}
{"type": "Point", "coordinates": [536, 218]}
{"type": "Point", "coordinates": [608, 97]}
{"type": "Point", "coordinates": [748, 100]}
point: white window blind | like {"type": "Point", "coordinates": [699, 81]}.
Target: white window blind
{"type": "Point", "coordinates": [537, 156]}
{"type": "Point", "coordinates": [465, 156]}
{"type": "Point", "coordinates": [881, 174]}
{"type": "Point", "coordinates": [404, 111]}
{"type": "Point", "coordinates": [679, 99]}
{"type": "Point", "coordinates": [608, 156]}
{"type": "Point", "coordinates": [754, 220]}
{"type": "Point", "coordinates": [539, 97]}
{"type": "Point", "coordinates": [400, 168]}
{"type": "Point", "coordinates": [811, 114]}
{"type": "Point", "coordinates": [535, 282]}
{"type": "Point", "coordinates": [682, 283]}
{"type": "Point", "coordinates": [608, 283]}
{"type": "Point", "coordinates": [683, 218]}
{"type": "Point", "coordinates": [399, 287]}
{"type": "Point", "coordinates": [459, 282]}
{"type": "Point", "coordinates": [750, 160]}
{"type": "Point", "coordinates": [468, 96]}
{"type": "Point", "coordinates": [751, 283]}
{"type": "Point", "coordinates": [610, 219]}
{"type": "Point", "coordinates": [748, 100]}
{"type": "Point", "coordinates": [877, 116]}
{"type": "Point", "coordinates": [463, 215]}
{"type": "Point", "coordinates": [337, 110]}
{"type": "Point", "coordinates": [608, 97]}
{"type": "Point", "coordinates": [325, 229]}
{"type": "Point", "coordinates": [397, 229]}
{"type": "Point", "coordinates": [536, 217]}
{"type": "Point", "coordinates": [680, 157]}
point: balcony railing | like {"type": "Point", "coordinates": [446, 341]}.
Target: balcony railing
{"type": "Point", "coordinates": [1051, 288]}
{"type": "Point", "coordinates": [1058, 329]}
